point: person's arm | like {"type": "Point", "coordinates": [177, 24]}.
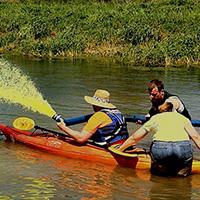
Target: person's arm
{"type": "Point", "coordinates": [134, 139]}
{"type": "Point", "coordinates": [177, 104]}
{"type": "Point", "coordinates": [194, 135]}
{"type": "Point", "coordinates": [80, 137]}
{"type": "Point", "coordinates": [96, 121]}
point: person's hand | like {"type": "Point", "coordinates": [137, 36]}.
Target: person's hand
{"type": "Point", "coordinates": [57, 117]}
{"type": "Point", "coordinates": [142, 119]}
{"type": "Point", "coordinates": [139, 122]}
{"type": "Point", "coordinates": [61, 122]}
{"type": "Point", "coordinates": [117, 146]}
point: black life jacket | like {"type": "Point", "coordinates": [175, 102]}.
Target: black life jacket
{"type": "Point", "coordinates": [154, 109]}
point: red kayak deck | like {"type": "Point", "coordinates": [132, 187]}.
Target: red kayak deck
{"type": "Point", "coordinates": [70, 149]}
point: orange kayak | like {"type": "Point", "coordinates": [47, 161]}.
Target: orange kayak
{"type": "Point", "coordinates": [67, 147]}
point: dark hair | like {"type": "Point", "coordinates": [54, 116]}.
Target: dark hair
{"type": "Point", "coordinates": [166, 107]}
{"type": "Point", "coordinates": [155, 83]}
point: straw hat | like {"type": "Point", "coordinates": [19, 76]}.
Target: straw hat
{"type": "Point", "coordinates": [101, 98]}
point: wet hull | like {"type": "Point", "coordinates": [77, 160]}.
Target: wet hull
{"type": "Point", "coordinates": [70, 149]}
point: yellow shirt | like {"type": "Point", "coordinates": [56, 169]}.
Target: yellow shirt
{"type": "Point", "coordinates": [97, 120]}
{"type": "Point", "coordinates": [168, 126]}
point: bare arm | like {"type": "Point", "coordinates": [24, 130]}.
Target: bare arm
{"type": "Point", "coordinates": [194, 135]}
{"type": "Point", "coordinates": [134, 139]}
{"type": "Point", "coordinates": [80, 137]}
{"type": "Point", "coordinates": [177, 104]}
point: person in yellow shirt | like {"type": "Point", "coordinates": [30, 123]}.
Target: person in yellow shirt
{"type": "Point", "coordinates": [105, 127]}
{"type": "Point", "coordinates": [171, 150]}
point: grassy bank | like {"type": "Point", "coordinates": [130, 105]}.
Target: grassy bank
{"type": "Point", "coordinates": [148, 32]}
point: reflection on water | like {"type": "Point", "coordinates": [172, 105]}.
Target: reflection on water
{"type": "Point", "coordinates": [30, 174]}
{"type": "Point", "coordinates": [36, 189]}
{"type": "Point", "coordinates": [19, 180]}
{"type": "Point", "coordinates": [39, 175]}
{"type": "Point", "coordinates": [171, 188]}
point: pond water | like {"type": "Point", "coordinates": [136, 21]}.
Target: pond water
{"type": "Point", "coordinates": [27, 173]}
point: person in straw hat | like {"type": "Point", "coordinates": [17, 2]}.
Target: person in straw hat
{"type": "Point", "coordinates": [105, 127]}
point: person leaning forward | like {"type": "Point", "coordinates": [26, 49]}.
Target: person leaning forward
{"type": "Point", "coordinates": [105, 127]}
{"type": "Point", "coordinates": [171, 150]}
{"type": "Point", "coordinates": [158, 96]}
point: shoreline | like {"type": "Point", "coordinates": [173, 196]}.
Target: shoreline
{"type": "Point", "coordinates": [152, 34]}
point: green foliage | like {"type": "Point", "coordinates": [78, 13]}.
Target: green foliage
{"type": "Point", "coordinates": [151, 32]}
{"type": "Point", "coordinates": [40, 28]}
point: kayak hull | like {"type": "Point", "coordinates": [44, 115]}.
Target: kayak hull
{"type": "Point", "coordinates": [70, 149]}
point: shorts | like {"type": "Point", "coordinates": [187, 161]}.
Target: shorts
{"type": "Point", "coordinates": [171, 158]}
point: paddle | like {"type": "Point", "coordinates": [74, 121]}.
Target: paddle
{"type": "Point", "coordinates": [58, 134]}
{"type": "Point", "coordinates": [20, 123]}
{"type": "Point", "coordinates": [25, 124]}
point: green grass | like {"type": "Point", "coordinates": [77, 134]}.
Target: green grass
{"type": "Point", "coordinates": [147, 32]}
